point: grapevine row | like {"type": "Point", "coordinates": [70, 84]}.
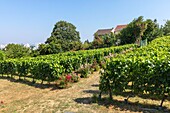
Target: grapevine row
{"type": "Point", "coordinates": [144, 70]}
{"type": "Point", "coordinates": [52, 67]}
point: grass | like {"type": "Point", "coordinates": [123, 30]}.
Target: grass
{"type": "Point", "coordinates": [82, 97]}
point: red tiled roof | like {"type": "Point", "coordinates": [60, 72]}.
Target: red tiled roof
{"type": "Point", "coordinates": [120, 27]}
{"type": "Point", "coordinates": [103, 31]}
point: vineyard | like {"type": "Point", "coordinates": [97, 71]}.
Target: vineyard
{"type": "Point", "coordinates": [53, 67]}
{"type": "Point", "coordinates": [127, 72]}
{"type": "Point", "coordinates": [144, 70]}
{"type": "Point", "coordinates": [124, 69]}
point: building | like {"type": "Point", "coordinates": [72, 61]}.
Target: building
{"type": "Point", "coordinates": [102, 32]}
{"type": "Point", "coordinates": [119, 28]}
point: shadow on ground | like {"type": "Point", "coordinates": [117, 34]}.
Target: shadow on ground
{"type": "Point", "coordinates": [127, 94]}
{"type": "Point", "coordinates": [30, 83]}
{"type": "Point", "coordinates": [95, 85]}
{"type": "Point", "coordinates": [121, 104]}
{"type": "Point", "coordinates": [92, 91]}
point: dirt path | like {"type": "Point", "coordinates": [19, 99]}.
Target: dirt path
{"type": "Point", "coordinates": [23, 98]}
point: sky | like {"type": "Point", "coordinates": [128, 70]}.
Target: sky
{"type": "Point", "coordinates": [32, 21]}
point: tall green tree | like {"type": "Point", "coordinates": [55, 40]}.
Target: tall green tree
{"type": "Point", "coordinates": [65, 31]}
{"type": "Point", "coordinates": [141, 27]}
{"type": "Point", "coordinates": [64, 37]}
{"type": "Point", "coordinates": [134, 31]}
{"type": "Point", "coordinates": [98, 42]}
{"type": "Point", "coordinates": [166, 28]}
{"type": "Point", "coordinates": [153, 30]}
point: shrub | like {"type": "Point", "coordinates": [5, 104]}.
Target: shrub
{"type": "Point", "coordinates": [84, 72]}
{"type": "Point", "coordinates": [63, 81]}
{"type": "Point", "coordinates": [62, 85]}
{"type": "Point", "coordinates": [95, 67]}
{"type": "Point", "coordinates": [75, 77]}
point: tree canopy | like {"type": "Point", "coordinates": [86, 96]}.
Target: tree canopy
{"type": "Point", "coordinates": [133, 31]}
{"type": "Point", "coordinates": [64, 37]}
{"type": "Point", "coordinates": [63, 31]}
{"type": "Point", "coordinates": [2, 55]}
{"type": "Point", "coordinates": [152, 31]}
{"type": "Point", "coordinates": [140, 29]}
{"type": "Point", "coordinates": [16, 51]}
{"type": "Point", "coordinates": [166, 28]}
{"type": "Point", "coordinates": [106, 40]}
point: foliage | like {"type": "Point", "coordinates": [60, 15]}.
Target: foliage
{"type": "Point", "coordinates": [16, 51]}
{"type": "Point", "coordinates": [64, 37]}
{"type": "Point", "coordinates": [51, 48]}
{"type": "Point", "coordinates": [153, 31]}
{"type": "Point", "coordinates": [107, 40]}
{"type": "Point", "coordinates": [34, 53]}
{"type": "Point", "coordinates": [75, 77]}
{"type": "Point", "coordinates": [166, 28]}
{"type": "Point", "coordinates": [63, 83]}
{"type": "Point", "coordinates": [52, 67]}
{"type": "Point", "coordinates": [64, 31]}
{"type": "Point", "coordinates": [140, 29]}
{"type": "Point", "coordinates": [146, 68]}
{"type": "Point", "coordinates": [97, 42]}
{"type": "Point", "coordinates": [95, 66]}
{"type": "Point", "coordinates": [133, 32]}
{"type": "Point", "coordinates": [86, 45]}
{"type": "Point", "coordinates": [85, 71]}
{"type": "Point", "coordinates": [2, 55]}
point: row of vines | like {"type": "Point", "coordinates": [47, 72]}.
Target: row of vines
{"type": "Point", "coordinates": [52, 67]}
{"type": "Point", "coordinates": [145, 70]}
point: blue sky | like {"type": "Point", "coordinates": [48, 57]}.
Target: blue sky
{"type": "Point", "coordinates": [31, 21]}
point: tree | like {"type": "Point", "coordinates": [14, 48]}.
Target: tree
{"type": "Point", "coordinates": [34, 51]}
{"type": "Point", "coordinates": [106, 40]}
{"type": "Point", "coordinates": [85, 46]}
{"type": "Point", "coordinates": [87, 41]}
{"type": "Point", "coordinates": [64, 31]}
{"type": "Point", "coordinates": [16, 51]}
{"type": "Point", "coordinates": [141, 27]}
{"type": "Point", "coordinates": [133, 32]}
{"type": "Point", "coordinates": [126, 36]}
{"type": "Point", "coordinates": [75, 45]}
{"type": "Point", "coordinates": [153, 31]}
{"type": "Point", "coordinates": [64, 37]}
{"type": "Point", "coordinates": [166, 28]}
{"type": "Point", "coordinates": [2, 55]}
{"type": "Point", "coordinates": [109, 40]}
{"type": "Point", "coordinates": [97, 43]}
